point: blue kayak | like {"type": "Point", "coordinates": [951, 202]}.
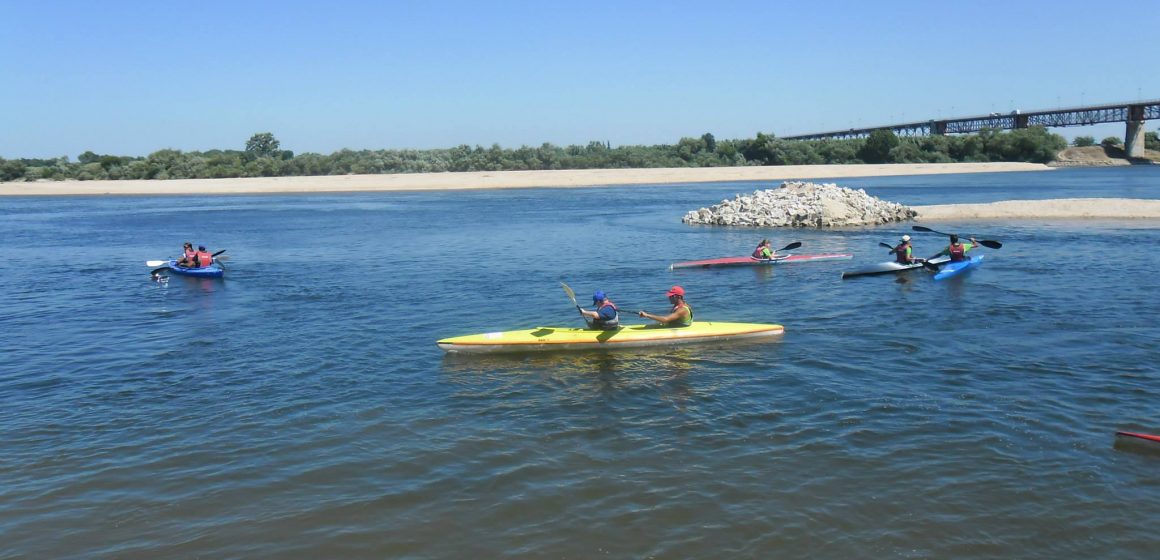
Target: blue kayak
{"type": "Point", "coordinates": [214, 270]}
{"type": "Point", "coordinates": [955, 268]}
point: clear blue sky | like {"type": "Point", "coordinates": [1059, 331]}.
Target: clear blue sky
{"type": "Point", "coordinates": [130, 78]}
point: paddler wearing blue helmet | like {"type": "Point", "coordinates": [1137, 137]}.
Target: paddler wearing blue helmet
{"type": "Point", "coordinates": [606, 316]}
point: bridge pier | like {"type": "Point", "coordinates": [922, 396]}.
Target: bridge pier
{"type": "Point", "coordinates": [1134, 135]}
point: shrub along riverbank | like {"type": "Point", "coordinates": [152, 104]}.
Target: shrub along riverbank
{"type": "Point", "coordinates": [263, 157]}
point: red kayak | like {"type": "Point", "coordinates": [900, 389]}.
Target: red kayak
{"type": "Point", "coordinates": [1145, 437]}
{"type": "Point", "coordinates": [750, 261]}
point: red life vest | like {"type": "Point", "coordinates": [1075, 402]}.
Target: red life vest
{"type": "Point", "coordinates": [758, 253]}
{"type": "Point", "coordinates": [957, 252]}
{"type": "Point", "coordinates": [903, 253]}
{"type": "Point", "coordinates": [190, 254]}
{"type": "Point", "coordinates": [204, 259]}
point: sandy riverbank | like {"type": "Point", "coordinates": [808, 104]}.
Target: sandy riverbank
{"type": "Point", "coordinates": [496, 179]}
{"type": "Point", "coordinates": [1085, 208]}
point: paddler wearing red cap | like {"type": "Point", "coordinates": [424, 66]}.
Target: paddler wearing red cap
{"type": "Point", "coordinates": [681, 314]}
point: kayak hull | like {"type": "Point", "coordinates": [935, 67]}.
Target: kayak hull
{"type": "Point", "coordinates": [1140, 437]}
{"type": "Point", "coordinates": [890, 267]}
{"type": "Point", "coordinates": [550, 339]}
{"type": "Point", "coordinates": [952, 269]}
{"type": "Point", "coordinates": [727, 262]}
{"type": "Point", "coordinates": [212, 271]}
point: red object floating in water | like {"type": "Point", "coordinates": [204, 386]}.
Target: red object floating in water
{"type": "Point", "coordinates": [1147, 437]}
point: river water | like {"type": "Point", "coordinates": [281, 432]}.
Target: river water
{"type": "Point", "coordinates": [299, 408]}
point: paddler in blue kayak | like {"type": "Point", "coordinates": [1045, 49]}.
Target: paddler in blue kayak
{"type": "Point", "coordinates": [957, 251]}
{"type": "Point", "coordinates": [606, 316]}
{"type": "Point", "coordinates": [188, 257]}
{"type": "Point", "coordinates": [764, 251]}
{"type": "Point", "coordinates": [204, 258]}
{"type": "Point", "coordinates": [903, 252]}
{"type": "Point", "coordinates": [681, 314]}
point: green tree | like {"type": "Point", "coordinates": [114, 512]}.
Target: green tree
{"type": "Point", "coordinates": [1111, 141]}
{"type": "Point", "coordinates": [11, 169]}
{"type": "Point", "coordinates": [263, 144]}
{"type": "Point", "coordinates": [710, 142]}
{"type": "Point", "coordinates": [878, 146]}
{"type": "Point", "coordinates": [1151, 141]}
{"type": "Point", "coordinates": [1082, 141]}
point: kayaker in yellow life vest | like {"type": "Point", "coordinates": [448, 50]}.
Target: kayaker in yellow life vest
{"type": "Point", "coordinates": [957, 251]}
{"type": "Point", "coordinates": [681, 314]}
{"type": "Point", "coordinates": [764, 250]}
{"type": "Point", "coordinates": [904, 253]}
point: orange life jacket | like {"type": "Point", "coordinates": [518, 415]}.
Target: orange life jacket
{"type": "Point", "coordinates": [204, 259]}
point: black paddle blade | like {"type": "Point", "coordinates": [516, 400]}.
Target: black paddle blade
{"type": "Point", "coordinates": [791, 246]}
{"type": "Point", "coordinates": [158, 271]}
{"type": "Point", "coordinates": [990, 243]}
{"type": "Point", "coordinates": [930, 266]}
{"type": "Point", "coordinates": [891, 247]}
{"type": "Point", "coordinates": [928, 230]}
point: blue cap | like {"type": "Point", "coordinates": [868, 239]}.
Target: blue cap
{"type": "Point", "coordinates": [598, 296]}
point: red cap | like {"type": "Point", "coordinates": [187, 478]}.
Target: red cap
{"type": "Point", "coordinates": [676, 291]}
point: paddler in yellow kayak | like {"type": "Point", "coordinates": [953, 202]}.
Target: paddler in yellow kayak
{"type": "Point", "coordinates": [606, 316]}
{"type": "Point", "coordinates": [681, 314]}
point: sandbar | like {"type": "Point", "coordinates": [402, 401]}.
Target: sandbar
{"type": "Point", "coordinates": [1062, 208]}
{"type": "Point", "coordinates": [571, 178]}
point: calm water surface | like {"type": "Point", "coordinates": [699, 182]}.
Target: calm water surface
{"type": "Point", "coordinates": [299, 408]}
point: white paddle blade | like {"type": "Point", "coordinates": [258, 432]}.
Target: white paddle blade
{"type": "Point", "coordinates": [155, 263]}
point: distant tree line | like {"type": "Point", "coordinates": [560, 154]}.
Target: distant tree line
{"type": "Point", "coordinates": [263, 156]}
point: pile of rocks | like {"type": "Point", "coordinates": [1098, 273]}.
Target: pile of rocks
{"type": "Point", "coordinates": [802, 204]}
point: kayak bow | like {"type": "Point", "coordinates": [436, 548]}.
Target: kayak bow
{"type": "Point", "coordinates": [952, 269]}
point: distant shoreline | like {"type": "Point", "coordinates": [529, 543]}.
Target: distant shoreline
{"type": "Point", "coordinates": [403, 182]}
{"type": "Point", "coordinates": [432, 182]}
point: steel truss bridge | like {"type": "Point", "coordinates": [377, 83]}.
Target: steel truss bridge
{"type": "Point", "coordinates": [1133, 114]}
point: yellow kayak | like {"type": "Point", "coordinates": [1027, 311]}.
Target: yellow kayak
{"type": "Point", "coordinates": [629, 336]}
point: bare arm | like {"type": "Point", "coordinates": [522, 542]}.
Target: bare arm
{"type": "Point", "coordinates": [666, 319]}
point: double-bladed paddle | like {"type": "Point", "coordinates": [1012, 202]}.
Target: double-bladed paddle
{"type": "Point", "coordinates": [572, 296]}
{"type": "Point", "coordinates": [986, 242]}
{"type": "Point", "coordinates": [789, 247]}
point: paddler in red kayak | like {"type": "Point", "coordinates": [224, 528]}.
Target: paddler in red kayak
{"type": "Point", "coordinates": [764, 251]}
{"type": "Point", "coordinates": [681, 314]}
{"type": "Point", "coordinates": [957, 251]}
{"type": "Point", "coordinates": [904, 253]}
{"type": "Point", "coordinates": [606, 316]}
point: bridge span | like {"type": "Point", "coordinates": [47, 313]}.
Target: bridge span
{"type": "Point", "coordinates": [1133, 114]}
